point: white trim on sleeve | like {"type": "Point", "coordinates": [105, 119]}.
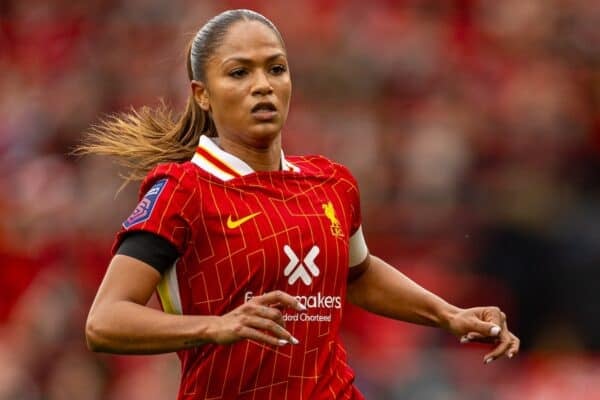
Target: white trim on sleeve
{"type": "Point", "coordinates": [168, 291]}
{"type": "Point", "coordinates": [357, 248]}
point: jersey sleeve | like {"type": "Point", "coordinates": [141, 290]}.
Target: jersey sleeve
{"type": "Point", "coordinates": [357, 245]}
{"type": "Point", "coordinates": [166, 208]}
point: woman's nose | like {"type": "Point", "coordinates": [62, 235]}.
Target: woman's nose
{"type": "Point", "coordinates": [262, 86]}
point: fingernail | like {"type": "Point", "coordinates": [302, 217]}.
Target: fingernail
{"type": "Point", "coordinates": [301, 307]}
{"type": "Point", "coordinates": [282, 342]}
{"type": "Point", "coordinates": [294, 340]}
{"type": "Point", "coordinates": [495, 330]}
{"type": "Point", "coordinates": [489, 360]}
{"type": "Point", "coordinates": [464, 340]}
{"type": "Point", "coordinates": [511, 355]}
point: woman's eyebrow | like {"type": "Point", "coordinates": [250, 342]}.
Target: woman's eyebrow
{"type": "Point", "coordinates": [245, 60]}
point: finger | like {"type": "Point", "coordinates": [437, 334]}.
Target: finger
{"type": "Point", "coordinates": [280, 297]}
{"type": "Point", "coordinates": [495, 316]}
{"type": "Point", "coordinates": [502, 348]}
{"type": "Point", "coordinates": [268, 313]}
{"type": "Point", "coordinates": [474, 337]}
{"type": "Point", "coordinates": [251, 333]}
{"type": "Point", "coordinates": [270, 326]}
{"type": "Point", "coordinates": [483, 328]}
{"type": "Point", "coordinates": [497, 352]}
{"type": "Point", "coordinates": [514, 347]}
{"type": "Point", "coordinates": [279, 318]}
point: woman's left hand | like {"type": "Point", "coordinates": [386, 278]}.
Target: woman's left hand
{"type": "Point", "coordinates": [485, 325]}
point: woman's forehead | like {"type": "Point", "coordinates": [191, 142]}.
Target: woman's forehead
{"type": "Point", "coordinates": [246, 38]}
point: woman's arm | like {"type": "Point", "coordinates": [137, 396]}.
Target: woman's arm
{"type": "Point", "coordinates": [383, 290]}
{"type": "Point", "coordinates": [120, 322]}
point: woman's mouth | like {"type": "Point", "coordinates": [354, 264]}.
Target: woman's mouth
{"type": "Point", "coordinates": [264, 111]}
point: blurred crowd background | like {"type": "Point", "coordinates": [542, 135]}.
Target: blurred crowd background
{"type": "Point", "coordinates": [472, 126]}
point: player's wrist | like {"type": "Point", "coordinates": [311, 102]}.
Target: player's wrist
{"type": "Point", "coordinates": [445, 315]}
{"type": "Point", "coordinates": [206, 330]}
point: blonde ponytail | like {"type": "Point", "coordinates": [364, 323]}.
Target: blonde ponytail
{"type": "Point", "coordinates": [141, 139]}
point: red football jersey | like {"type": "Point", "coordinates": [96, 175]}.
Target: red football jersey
{"type": "Point", "coordinates": [243, 233]}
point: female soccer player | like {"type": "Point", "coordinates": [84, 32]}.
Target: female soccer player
{"type": "Point", "coordinates": [253, 252]}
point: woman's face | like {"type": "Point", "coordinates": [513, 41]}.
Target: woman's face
{"type": "Point", "coordinates": [248, 86]}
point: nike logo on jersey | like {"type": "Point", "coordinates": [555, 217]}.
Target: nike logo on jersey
{"type": "Point", "coordinates": [232, 224]}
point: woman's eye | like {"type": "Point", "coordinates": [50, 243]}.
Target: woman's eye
{"type": "Point", "coordinates": [278, 69]}
{"type": "Point", "coordinates": [238, 73]}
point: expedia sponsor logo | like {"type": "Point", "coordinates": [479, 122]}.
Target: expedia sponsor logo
{"type": "Point", "coordinates": [317, 301]}
{"type": "Point", "coordinates": [320, 301]}
{"type": "Point", "coordinates": [304, 270]}
{"type": "Point", "coordinates": [318, 306]}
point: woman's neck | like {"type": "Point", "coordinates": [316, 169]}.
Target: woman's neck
{"type": "Point", "coordinates": [258, 157]}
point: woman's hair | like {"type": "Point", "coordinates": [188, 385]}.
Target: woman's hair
{"type": "Point", "coordinates": [141, 139]}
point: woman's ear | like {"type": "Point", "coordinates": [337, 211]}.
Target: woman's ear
{"type": "Point", "coordinates": [201, 95]}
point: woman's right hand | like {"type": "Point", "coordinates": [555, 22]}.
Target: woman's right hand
{"type": "Point", "coordinates": [258, 319]}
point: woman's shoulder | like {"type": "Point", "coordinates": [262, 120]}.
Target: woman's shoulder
{"type": "Point", "coordinates": [319, 164]}
{"type": "Point", "coordinates": [180, 174]}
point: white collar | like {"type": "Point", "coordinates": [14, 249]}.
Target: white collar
{"type": "Point", "coordinates": [225, 166]}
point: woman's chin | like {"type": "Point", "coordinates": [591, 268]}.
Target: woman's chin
{"type": "Point", "coordinates": [265, 131]}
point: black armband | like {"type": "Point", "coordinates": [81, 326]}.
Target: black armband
{"type": "Point", "coordinates": [149, 248]}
